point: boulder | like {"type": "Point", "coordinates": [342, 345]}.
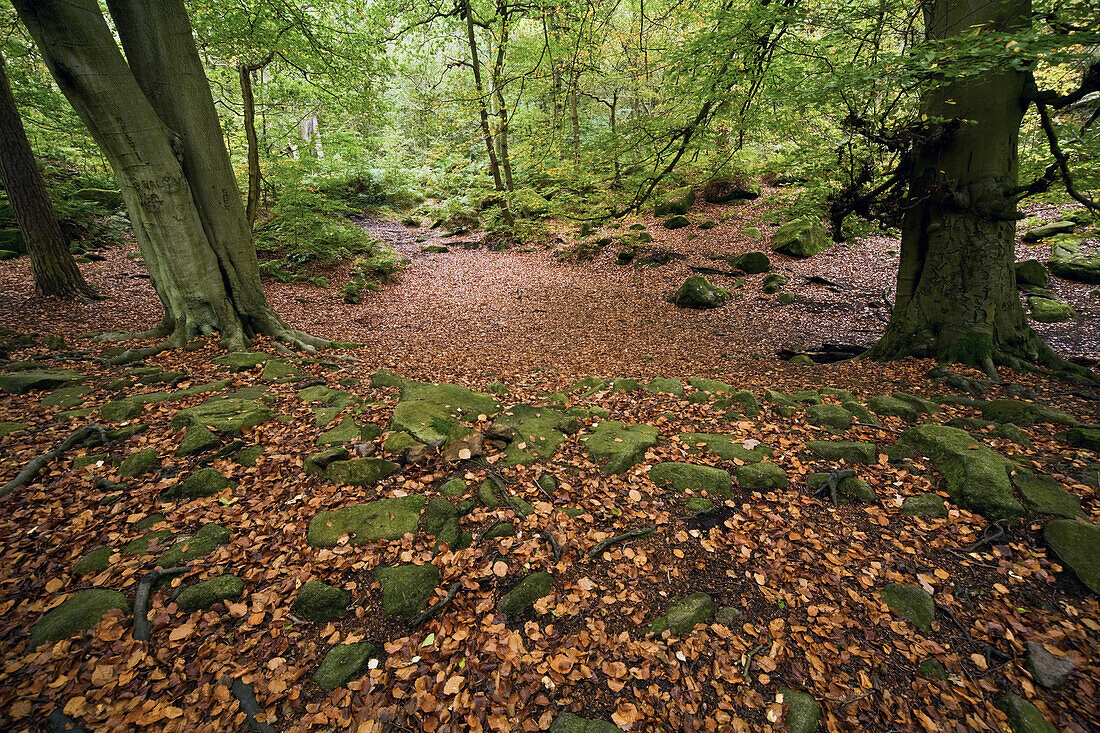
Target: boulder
{"type": "Point", "coordinates": [848, 451]}
{"type": "Point", "coordinates": [699, 293]}
{"type": "Point", "coordinates": [209, 538]}
{"type": "Point", "coordinates": [677, 201]}
{"type": "Point", "coordinates": [202, 483]}
{"type": "Point", "coordinates": [537, 431]}
{"type": "Point", "coordinates": [912, 603]}
{"type": "Point", "coordinates": [1023, 413]}
{"type": "Point", "coordinates": [1088, 438]}
{"type": "Point", "coordinates": [360, 471]}
{"type": "Point", "coordinates": [319, 602]}
{"type": "Point", "coordinates": [691, 477]}
{"type": "Point", "coordinates": [725, 190]}
{"type": "Point", "coordinates": [530, 589]}
{"type": "Point", "coordinates": [800, 238]}
{"type": "Point", "coordinates": [616, 447]}
{"type": "Point", "coordinates": [773, 282]}
{"type": "Point", "coordinates": [827, 415]}
{"type": "Point", "coordinates": [664, 385]}
{"type": "Point", "coordinates": [803, 711]}
{"type": "Point", "coordinates": [753, 263]}
{"type": "Point", "coordinates": [406, 588]}
{"type": "Point", "coordinates": [676, 222]}
{"type": "Point", "coordinates": [1070, 260]}
{"type": "Point", "coordinates": [726, 447]}
{"type": "Point", "coordinates": [1049, 230]}
{"type": "Point", "coordinates": [31, 379]}
{"type": "Point", "coordinates": [924, 505]}
{"type": "Point", "coordinates": [197, 439]}
{"type": "Point", "coordinates": [887, 405]}
{"type": "Point", "coordinates": [139, 463]}
{"type": "Point", "coordinates": [382, 519]}
{"type": "Point", "coordinates": [1077, 545]}
{"type": "Point", "coordinates": [761, 476]}
{"type": "Point", "coordinates": [82, 611]}
{"type": "Point", "coordinates": [1031, 273]}
{"type": "Point", "coordinates": [1045, 668]}
{"type": "Point", "coordinates": [342, 663]}
{"type": "Point", "coordinates": [1023, 717]}
{"type": "Point", "coordinates": [1044, 495]}
{"type": "Point", "coordinates": [93, 562]}
{"type": "Point", "coordinates": [229, 416]}
{"type": "Point", "coordinates": [459, 400]}
{"type": "Point", "coordinates": [1049, 310]}
{"type": "Point", "coordinates": [201, 596]}
{"type": "Point", "coordinates": [684, 614]}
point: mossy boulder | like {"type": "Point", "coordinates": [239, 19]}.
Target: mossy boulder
{"type": "Point", "coordinates": [454, 487]}
{"type": "Point", "coordinates": [82, 611]}
{"type": "Point", "coordinates": [761, 476]}
{"type": "Point", "coordinates": [803, 237]}
{"type": "Point", "coordinates": [141, 545]}
{"type": "Point", "coordinates": [725, 190]}
{"type": "Point", "coordinates": [1050, 229]}
{"type": "Point", "coordinates": [342, 663]}
{"type": "Point", "coordinates": [530, 589]}
{"type": "Point", "coordinates": [538, 432]}
{"type": "Point", "coordinates": [1050, 310]}
{"type": "Point", "coordinates": [888, 405]}
{"type": "Point", "coordinates": [691, 477]}
{"type": "Point", "coordinates": [66, 397]}
{"type": "Point", "coordinates": [1021, 413]}
{"type": "Point", "coordinates": [360, 471]}
{"type": "Point", "coordinates": [386, 378]}
{"type": "Point", "coordinates": [677, 201]}
{"type": "Point", "coordinates": [827, 415]}
{"type": "Point", "coordinates": [441, 520]}
{"type": "Point", "coordinates": [570, 723]}
{"type": "Point", "coordinates": [753, 263]}
{"type": "Point", "coordinates": [849, 487]}
{"type": "Point", "coordinates": [406, 588]}
{"type": "Point", "coordinates": [1031, 273]}
{"type": "Point", "coordinates": [664, 385]}
{"type": "Point", "coordinates": [229, 416]}
{"type": "Point", "coordinates": [699, 293]}
{"type": "Point", "coordinates": [976, 476]}
{"type": "Point", "coordinates": [319, 602]}
{"type": "Point", "coordinates": [616, 447]}
{"type": "Point", "coordinates": [725, 447]}
{"type": "Point", "coordinates": [197, 439]}
{"type": "Point", "coordinates": [773, 282]}
{"type": "Point", "coordinates": [1077, 545]}
{"type": "Point", "coordinates": [33, 379]}
{"type": "Point", "coordinates": [429, 422]}
{"type": "Point", "coordinates": [202, 483]}
{"type": "Point", "coordinates": [912, 603]}
{"type": "Point", "coordinates": [1023, 716]}
{"type": "Point", "coordinates": [1043, 495]}
{"type": "Point", "coordinates": [1088, 438]}
{"type": "Point", "coordinates": [347, 431]}
{"type": "Point", "coordinates": [698, 505]}
{"type": "Point", "coordinates": [803, 711]}
{"type": "Point", "coordinates": [458, 400]}
{"type": "Point", "coordinates": [684, 614]}
{"type": "Point", "coordinates": [924, 505]}
{"type": "Point", "coordinates": [209, 538]}
{"type": "Point", "coordinates": [139, 463]}
{"type": "Point", "coordinates": [382, 519]}
{"type": "Point", "coordinates": [95, 561]}
{"type": "Point", "coordinates": [201, 596]}
{"type": "Point", "coordinates": [848, 451]}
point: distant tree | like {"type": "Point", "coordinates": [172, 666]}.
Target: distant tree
{"type": "Point", "coordinates": [154, 120]}
{"type": "Point", "coordinates": [52, 264]}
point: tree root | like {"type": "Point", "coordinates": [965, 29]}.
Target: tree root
{"type": "Point", "coordinates": [31, 469]}
{"type": "Point", "coordinates": [436, 608]}
{"type": "Point", "coordinates": [143, 627]}
{"type": "Point", "coordinates": [246, 699]}
{"type": "Point", "coordinates": [628, 535]}
{"type": "Point", "coordinates": [553, 542]}
{"type": "Point", "coordinates": [831, 485]}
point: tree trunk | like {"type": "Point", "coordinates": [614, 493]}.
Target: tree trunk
{"type": "Point", "coordinates": [483, 113]}
{"type": "Point", "coordinates": [54, 269]}
{"type": "Point", "coordinates": [574, 115]}
{"type": "Point", "coordinates": [154, 119]}
{"type": "Point", "coordinates": [956, 289]}
{"type": "Point", "coordinates": [252, 205]}
{"type": "Point", "coordinates": [502, 107]}
{"type": "Point", "coordinates": [615, 139]}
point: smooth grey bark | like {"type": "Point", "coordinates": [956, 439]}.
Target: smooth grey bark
{"type": "Point", "coordinates": [155, 122]}
{"type": "Point", "coordinates": [52, 265]}
{"type": "Point", "coordinates": [956, 291]}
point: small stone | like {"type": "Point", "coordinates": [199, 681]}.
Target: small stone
{"type": "Point", "coordinates": [803, 711]}
{"type": "Point", "coordinates": [84, 610]}
{"type": "Point", "coordinates": [677, 222]}
{"type": "Point", "coordinates": [773, 282]}
{"type": "Point", "coordinates": [761, 476]}
{"type": "Point", "coordinates": [753, 263]}
{"type": "Point", "coordinates": [204, 482]}
{"type": "Point", "coordinates": [684, 614]}
{"type": "Point", "coordinates": [406, 588]}
{"type": "Point", "coordinates": [785, 298]}
{"type": "Point", "coordinates": [924, 505]}
{"type": "Point", "coordinates": [530, 589]}
{"type": "Point", "coordinates": [1047, 669]}
{"type": "Point", "coordinates": [319, 602]}
{"type": "Point", "coordinates": [911, 602]}
{"type": "Point", "coordinates": [201, 596]}
{"type": "Point", "coordinates": [1023, 717]}
{"type": "Point", "coordinates": [196, 440]}
{"type": "Point", "coordinates": [933, 669]}
{"type": "Point", "coordinates": [93, 562]}
{"type": "Point", "coordinates": [342, 663]}
{"type": "Point", "coordinates": [728, 615]}
{"type": "Point", "coordinates": [454, 487]}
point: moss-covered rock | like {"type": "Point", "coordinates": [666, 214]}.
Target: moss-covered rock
{"type": "Point", "coordinates": [32, 379]}
{"type": "Point", "coordinates": [803, 711]}
{"type": "Point", "coordinates": [725, 447]}
{"type": "Point", "coordinates": [229, 416]}
{"type": "Point", "coordinates": [209, 538]}
{"type": "Point", "coordinates": [803, 237]}
{"type": "Point", "coordinates": [676, 201]}
{"type": "Point", "coordinates": [664, 385]}
{"type": "Point", "coordinates": [684, 614]}
{"type": "Point", "coordinates": [139, 463]}
{"type": "Point", "coordinates": [95, 561]}
{"type": "Point", "coordinates": [239, 361]}
{"type": "Point", "coordinates": [1088, 438]}
{"type": "Point", "coordinates": [9, 427]}
{"type": "Point", "coordinates": [1044, 495]}
{"type": "Point", "coordinates": [454, 487]}
{"type": "Point", "coordinates": [924, 505]}
{"type": "Point", "coordinates": [201, 596]}
{"type": "Point", "coordinates": [248, 456]}
{"type": "Point", "coordinates": [616, 447]}
{"type": "Point", "coordinates": [1023, 413]}
{"type": "Point", "coordinates": [66, 397]}
{"type": "Point", "coordinates": [1031, 273]}
{"type": "Point", "coordinates": [699, 293]}
{"type": "Point", "coordinates": [429, 422]}
{"type": "Point", "coordinates": [911, 602]}
{"type": "Point", "coordinates": [699, 505]}
{"type": "Point", "coordinates": [918, 403]}
{"type": "Point", "coordinates": [761, 476]}
{"type": "Point", "coordinates": [197, 439]}
{"type": "Point", "coordinates": [1050, 229]}
{"type": "Point", "coordinates": [887, 405]}
{"type": "Point", "coordinates": [202, 483]}
{"type": "Point", "coordinates": [342, 663]}
{"type": "Point", "coordinates": [406, 588]}
{"type": "Point", "coordinates": [530, 589]}
{"type": "Point", "coordinates": [933, 669]}
{"type": "Point", "coordinates": [753, 263]}
{"type": "Point", "coordinates": [833, 417]}
{"type": "Point", "coordinates": [842, 450]}
{"type": "Point", "coordinates": [1050, 310]}
{"type": "Point", "coordinates": [1077, 545]}
{"type": "Point", "coordinates": [82, 611]}
{"type": "Point", "coordinates": [1023, 717]}
{"type": "Point", "coordinates": [347, 431]}
{"type": "Point", "coordinates": [383, 519]}
{"type": "Point", "coordinates": [360, 471]}
{"type": "Point", "coordinates": [538, 432]}
{"type": "Point", "coordinates": [441, 520]}
{"type": "Point", "coordinates": [773, 282]}
{"type": "Point", "coordinates": [691, 477]}
{"type": "Point", "coordinates": [676, 222]}
{"type": "Point", "coordinates": [317, 601]}
{"type": "Point", "coordinates": [142, 544]}
{"type": "Point", "coordinates": [849, 487]}
{"type": "Point", "coordinates": [976, 476]}
{"type": "Point", "coordinates": [459, 400]}
{"type": "Point", "coordinates": [570, 723]}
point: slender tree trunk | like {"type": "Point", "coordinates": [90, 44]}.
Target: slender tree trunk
{"type": "Point", "coordinates": [502, 107]}
{"type": "Point", "coordinates": [252, 205]}
{"type": "Point", "coordinates": [615, 138]}
{"type": "Point", "coordinates": [154, 119]}
{"type": "Point", "coordinates": [956, 290]}
{"type": "Point", "coordinates": [54, 269]}
{"type": "Point", "coordinates": [574, 115]}
{"type": "Point", "coordinates": [483, 113]}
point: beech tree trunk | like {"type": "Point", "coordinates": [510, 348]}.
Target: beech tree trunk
{"type": "Point", "coordinates": [155, 122]}
{"type": "Point", "coordinates": [52, 264]}
{"type": "Point", "coordinates": [956, 289]}
{"type": "Point", "coordinates": [252, 205]}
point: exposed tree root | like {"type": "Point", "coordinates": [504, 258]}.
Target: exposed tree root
{"type": "Point", "coordinates": [143, 627]}
{"type": "Point", "coordinates": [31, 469]}
{"type": "Point", "coordinates": [246, 698]}
{"type": "Point", "coordinates": [628, 535]}
{"type": "Point", "coordinates": [436, 608]}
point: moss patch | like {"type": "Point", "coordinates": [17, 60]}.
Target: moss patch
{"type": "Point", "coordinates": [530, 589]}
{"type": "Point", "coordinates": [209, 538]}
{"type": "Point", "coordinates": [690, 477]}
{"type": "Point", "coordinates": [910, 602]}
{"type": "Point", "coordinates": [406, 588]}
{"type": "Point", "coordinates": [201, 596]}
{"type": "Point", "coordinates": [342, 663]}
{"type": "Point", "coordinates": [83, 611]}
{"type": "Point", "coordinates": [616, 447]}
{"type": "Point", "coordinates": [383, 519]}
{"type": "Point", "coordinates": [761, 476]}
{"type": "Point", "coordinates": [319, 602]}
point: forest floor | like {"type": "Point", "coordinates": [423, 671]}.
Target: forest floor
{"type": "Point", "coordinates": [795, 580]}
